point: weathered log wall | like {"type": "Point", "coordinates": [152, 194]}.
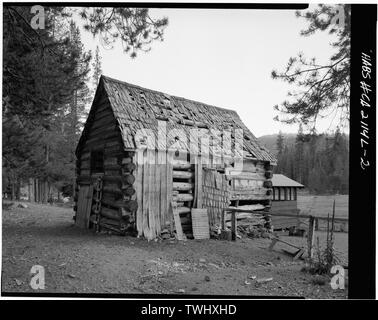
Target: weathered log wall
{"type": "Point", "coordinates": [252, 185]}
{"type": "Point", "coordinates": [183, 190]}
{"type": "Point", "coordinates": [118, 201]}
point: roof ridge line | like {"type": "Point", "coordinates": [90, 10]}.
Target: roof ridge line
{"type": "Point", "coordinates": [164, 93]}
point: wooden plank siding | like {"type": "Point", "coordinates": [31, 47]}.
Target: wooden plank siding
{"type": "Point", "coordinates": [138, 159]}
{"type": "Point", "coordinates": [84, 206]}
{"type": "Point", "coordinates": [154, 192]}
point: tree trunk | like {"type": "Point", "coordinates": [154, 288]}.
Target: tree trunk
{"type": "Point", "coordinates": [13, 195]}
{"type": "Point", "coordinates": [18, 190]}
{"type": "Point", "coordinates": [37, 191]}
{"type": "Point", "coordinates": [36, 199]}
{"type": "Point", "coordinates": [74, 126]}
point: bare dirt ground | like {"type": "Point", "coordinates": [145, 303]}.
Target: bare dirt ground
{"type": "Point", "coordinates": [79, 261]}
{"type": "Point", "coordinates": [340, 244]}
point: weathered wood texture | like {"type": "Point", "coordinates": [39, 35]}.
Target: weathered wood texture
{"type": "Point", "coordinates": [154, 187]}
{"type": "Point", "coordinates": [198, 190]}
{"type": "Point", "coordinates": [84, 206]}
{"type": "Point", "coordinates": [311, 237]}
{"type": "Point", "coordinates": [200, 224]}
{"type": "Point", "coordinates": [176, 216]}
{"type": "Point", "coordinates": [101, 133]}
{"type": "Point", "coordinates": [183, 191]}
{"type": "Point", "coordinates": [140, 185]}
{"type": "Point", "coordinates": [216, 192]}
{"type": "Point", "coordinates": [249, 182]}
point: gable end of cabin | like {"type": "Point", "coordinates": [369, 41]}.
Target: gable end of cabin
{"type": "Point", "coordinates": [103, 165]}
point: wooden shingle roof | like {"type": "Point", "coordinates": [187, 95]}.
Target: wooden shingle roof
{"type": "Point", "coordinates": [137, 109]}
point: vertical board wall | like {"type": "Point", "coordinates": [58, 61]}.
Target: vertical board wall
{"type": "Point", "coordinates": [154, 191]}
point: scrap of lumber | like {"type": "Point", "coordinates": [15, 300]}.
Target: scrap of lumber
{"type": "Point", "coordinates": [200, 223]}
{"type": "Point", "coordinates": [297, 254]}
{"type": "Point", "coordinates": [179, 233]}
{"type": "Point", "coordinates": [252, 207]}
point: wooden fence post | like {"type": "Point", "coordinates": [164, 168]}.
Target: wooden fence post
{"type": "Point", "coordinates": [223, 226]}
{"type": "Point", "coordinates": [311, 236]}
{"type": "Point", "coordinates": [233, 225]}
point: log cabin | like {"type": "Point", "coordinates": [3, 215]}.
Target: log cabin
{"type": "Point", "coordinates": [285, 193]}
{"type": "Point", "coordinates": [146, 157]}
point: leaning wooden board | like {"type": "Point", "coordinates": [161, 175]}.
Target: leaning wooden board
{"type": "Point", "coordinates": [84, 206]}
{"type": "Point", "coordinates": [176, 216]}
{"type": "Point", "coordinates": [200, 224]}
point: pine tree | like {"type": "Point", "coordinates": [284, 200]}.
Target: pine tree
{"type": "Point", "coordinates": [45, 86]}
{"type": "Point", "coordinates": [320, 88]}
{"type": "Point", "coordinates": [97, 68]}
{"type": "Point", "coordinates": [41, 72]}
{"type": "Point", "coordinates": [299, 154]}
{"type": "Point", "coordinates": [280, 149]}
{"type": "Point", "coordinates": [319, 162]}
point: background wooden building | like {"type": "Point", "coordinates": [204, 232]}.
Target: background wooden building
{"type": "Point", "coordinates": [285, 193]}
{"type": "Point", "coordinates": [135, 159]}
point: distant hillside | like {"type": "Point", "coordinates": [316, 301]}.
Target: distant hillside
{"type": "Point", "coordinates": [270, 141]}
